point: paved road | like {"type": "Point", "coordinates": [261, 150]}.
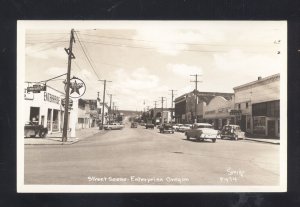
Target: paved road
{"type": "Point", "coordinates": [144, 156]}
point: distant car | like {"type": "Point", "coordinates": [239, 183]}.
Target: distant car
{"type": "Point", "coordinates": [166, 128]}
{"type": "Point", "coordinates": [113, 126]}
{"type": "Point", "coordinates": [232, 132]}
{"type": "Point", "coordinates": [149, 126]}
{"type": "Point", "coordinates": [134, 125]}
{"type": "Point", "coordinates": [33, 130]}
{"type": "Point", "coordinates": [184, 127]}
{"type": "Point", "coordinates": [176, 127]}
{"type": "Point", "coordinates": [202, 131]}
{"type": "Point", "coordinates": [142, 124]}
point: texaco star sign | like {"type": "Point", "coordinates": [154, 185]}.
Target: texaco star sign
{"type": "Point", "coordinates": [77, 87]}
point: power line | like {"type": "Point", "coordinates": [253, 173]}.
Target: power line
{"type": "Point", "coordinates": [86, 55]}
{"type": "Point", "coordinates": [153, 48]}
{"type": "Point", "coordinates": [155, 41]}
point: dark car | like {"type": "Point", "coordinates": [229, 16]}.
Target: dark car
{"type": "Point", "coordinates": [166, 128]}
{"type": "Point", "coordinates": [33, 130]}
{"type": "Point", "coordinates": [134, 124]}
{"type": "Point", "coordinates": [149, 125]}
{"type": "Point", "coordinates": [232, 132]}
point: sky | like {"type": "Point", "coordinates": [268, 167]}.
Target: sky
{"type": "Point", "coordinates": [145, 60]}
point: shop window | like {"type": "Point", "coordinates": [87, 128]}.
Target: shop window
{"type": "Point", "coordinates": [80, 120]}
{"type": "Point", "coordinates": [34, 115]}
{"type": "Point", "coordinates": [259, 125]}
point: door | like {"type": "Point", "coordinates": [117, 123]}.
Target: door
{"type": "Point", "coordinates": [271, 128]}
{"type": "Point", "coordinates": [243, 123]}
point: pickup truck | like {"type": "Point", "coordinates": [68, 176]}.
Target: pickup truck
{"type": "Point", "coordinates": [33, 130]}
{"type": "Point", "coordinates": [202, 131]}
{"type": "Point", "coordinates": [113, 126]}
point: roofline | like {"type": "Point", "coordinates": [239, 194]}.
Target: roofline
{"type": "Point", "coordinates": [257, 81]}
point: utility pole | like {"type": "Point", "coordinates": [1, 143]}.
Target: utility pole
{"type": "Point", "coordinates": [104, 88]}
{"type": "Point", "coordinates": [66, 115]}
{"type": "Point", "coordinates": [113, 108]}
{"type": "Point", "coordinates": [110, 97]}
{"type": "Point", "coordinates": [162, 109]}
{"type": "Point", "coordinates": [172, 110]}
{"type": "Point", "coordinates": [195, 93]}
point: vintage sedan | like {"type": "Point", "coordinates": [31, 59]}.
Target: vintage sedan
{"type": "Point", "coordinates": [134, 125]}
{"type": "Point", "coordinates": [149, 125]}
{"type": "Point", "coordinates": [113, 126]}
{"type": "Point", "coordinates": [166, 128]}
{"type": "Point", "coordinates": [232, 132]}
{"type": "Point", "coordinates": [184, 127]}
{"type": "Point", "coordinates": [202, 131]}
{"type": "Point", "coordinates": [33, 130]}
{"type": "Point", "coordinates": [176, 127]}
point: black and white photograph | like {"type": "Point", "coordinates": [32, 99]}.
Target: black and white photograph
{"type": "Point", "coordinates": [151, 106]}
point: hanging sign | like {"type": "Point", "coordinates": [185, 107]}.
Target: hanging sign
{"type": "Point", "coordinates": [77, 87]}
{"type": "Point", "coordinates": [36, 88]}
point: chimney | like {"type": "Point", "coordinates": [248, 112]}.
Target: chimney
{"type": "Point", "coordinates": [259, 78]}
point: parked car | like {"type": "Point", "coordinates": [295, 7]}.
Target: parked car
{"type": "Point", "coordinates": [184, 127]}
{"type": "Point", "coordinates": [134, 125]}
{"type": "Point", "coordinates": [33, 130]}
{"type": "Point", "coordinates": [176, 126]}
{"type": "Point", "coordinates": [113, 126]}
{"type": "Point", "coordinates": [232, 132]}
{"type": "Point", "coordinates": [166, 128]}
{"type": "Point", "coordinates": [202, 131]}
{"type": "Point", "coordinates": [149, 125]}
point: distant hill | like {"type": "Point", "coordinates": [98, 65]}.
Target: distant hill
{"type": "Point", "coordinates": [130, 113]}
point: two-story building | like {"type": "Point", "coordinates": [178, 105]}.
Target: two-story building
{"type": "Point", "coordinates": [259, 103]}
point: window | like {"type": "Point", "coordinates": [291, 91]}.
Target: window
{"type": "Point", "coordinates": [247, 105]}
{"type": "Point", "coordinates": [239, 106]}
{"type": "Point", "coordinates": [80, 120]}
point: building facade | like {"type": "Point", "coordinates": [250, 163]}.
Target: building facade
{"type": "Point", "coordinates": [189, 106]}
{"type": "Point", "coordinates": [46, 108]}
{"type": "Point", "coordinates": [259, 103]}
{"type": "Point", "coordinates": [218, 112]}
{"type": "Point", "coordinates": [87, 113]}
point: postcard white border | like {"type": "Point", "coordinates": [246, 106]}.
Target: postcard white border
{"type": "Point", "coordinates": [22, 25]}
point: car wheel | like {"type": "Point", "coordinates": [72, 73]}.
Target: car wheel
{"type": "Point", "coordinates": [214, 140]}
{"type": "Point", "coordinates": [236, 137]}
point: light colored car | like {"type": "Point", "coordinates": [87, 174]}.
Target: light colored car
{"type": "Point", "coordinates": [113, 126]}
{"type": "Point", "coordinates": [176, 126]}
{"type": "Point", "coordinates": [232, 132]}
{"type": "Point", "coordinates": [202, 131]}
{"type": "Point", "coordinates": [184, 127]}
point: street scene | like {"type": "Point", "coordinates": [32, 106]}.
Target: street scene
{"type": "Point", "coordinates": [152, 103]}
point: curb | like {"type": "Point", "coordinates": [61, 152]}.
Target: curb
{"type": "Point", "coordinates": [56, 142]}
{"type": "Point", "coordinates": [263, 141]}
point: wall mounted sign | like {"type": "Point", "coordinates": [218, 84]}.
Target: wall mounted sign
{"type": "Point", "coordinates": [77, 87]}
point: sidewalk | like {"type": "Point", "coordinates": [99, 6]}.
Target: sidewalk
{"type": "Point", "coordinates": [56, 138]}
{"type": "Point", "coordinates": [264, 140]}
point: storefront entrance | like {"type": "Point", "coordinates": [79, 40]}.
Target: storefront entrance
{"type": "Point", "coordinates": [34, 114]}
{"type": "Point", "coordinates": [271, 128]}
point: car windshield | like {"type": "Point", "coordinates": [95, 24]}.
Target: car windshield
{"type": "Point", "coordinates": [227, 128]}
